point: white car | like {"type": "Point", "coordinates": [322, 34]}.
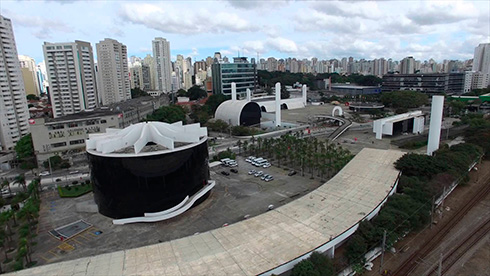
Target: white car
{"type": "Point", "coordinates": [266, 165]}
{"type": "Point", "coordinates": [45, 173]}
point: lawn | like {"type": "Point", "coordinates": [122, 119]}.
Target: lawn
{"type": "Point", "coordinates": [75, 190]}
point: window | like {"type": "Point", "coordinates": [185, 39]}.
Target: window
{"type": "Point", "coordinates": [57, 145]}
{"type": "Point", "coordinates": [76, 142]}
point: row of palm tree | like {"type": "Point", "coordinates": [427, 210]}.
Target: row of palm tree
{"type": "Point", "coordinates": [17, 224]}
{"type": "Point", "coordinates": [308, 155]}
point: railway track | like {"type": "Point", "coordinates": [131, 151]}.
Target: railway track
{"type": "Point", "coordinates": [411, 263]}
{"type": "Point", "coordinates": [451, 257]}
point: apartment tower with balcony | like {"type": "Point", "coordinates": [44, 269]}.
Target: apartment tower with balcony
{"type": "Point", "coordinates": [71, 76]}
{"type": "Point", "coordinates": [14, 114]}
{"type": "Point", "coordinates": [113, 79]}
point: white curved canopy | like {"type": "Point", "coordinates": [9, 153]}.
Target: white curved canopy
{"type": "Point", "coordinates": [139, 135]}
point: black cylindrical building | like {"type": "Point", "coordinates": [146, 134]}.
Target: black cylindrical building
{"type": "Point", "coordinates": [130, 179]}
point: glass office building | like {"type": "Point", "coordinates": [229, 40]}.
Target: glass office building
{"type": "Point", "coordinates": [240, 72]}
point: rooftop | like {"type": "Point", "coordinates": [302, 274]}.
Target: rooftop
{"type": "Point", "coordinates": [261, 243]}
{"type": "Point", "coordinates": [146, 137]}
{"type": "Point", "coordinates": [111, 109]}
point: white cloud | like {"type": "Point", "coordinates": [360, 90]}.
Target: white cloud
{"type": "Point", "coordinates": [442, 12]}
{"type": "Point", "coordinates": [311, 20]}
{"type": "Point", "coordinates": [282, 44]}
{"type": "Point", "coordinates": [349, 9]}
{"type": "Point", "coordinates": [170, 19]}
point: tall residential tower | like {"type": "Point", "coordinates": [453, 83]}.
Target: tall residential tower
{"type": "Point", "coordinates": [71, 75]}
{"type": "Point", "coordinates": [113, 79]}
{"type": "Point", "coordinates": [161, 54]}
{"type": "Point", "coordinates": [14, 114]}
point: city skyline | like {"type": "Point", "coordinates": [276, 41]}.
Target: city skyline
{"type": "Point", "coordinates": [326, 30]}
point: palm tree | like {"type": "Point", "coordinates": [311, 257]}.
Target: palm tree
{"type": "Point", "coordinates": [239, 145]}
{"type": "Point", "coordinates": [6, 183]}
{"type": "Point", "coordinates": [21, 180]}
{"type": "Point", "coordinates": [245, 146]}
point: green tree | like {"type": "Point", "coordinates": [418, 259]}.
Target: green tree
{"type": "Point", "coordinates": [32, 97]}
{"type": "Point", "coordinates": [404, 99]}
{"type": "Point", "coordinates": [195, 93]}
{"type": "Point", "coordinates": [356, 248]}
{"type": "Point", "coordinates": [305, 268]}
{"type": "Point", "coordinates": [24, 148]}
{"type": "Point", "coordinates": [181, 93]}
{"type": "Point", "coordinates": [137, 92]}
{"type": "Point", "coordinates": [284, 92]}
{"type": "Point", "coordinates": [168, 114]}
{"type": "Point", "coordinates": [218, 125]}
{"type": "Point", "coordinates": [21, 180]}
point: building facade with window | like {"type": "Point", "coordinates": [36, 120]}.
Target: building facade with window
{"type": "Point", "coordinates": [241, 72]}
{"type": "Point", "coordinates": [13, 104]}
{"type": "Point", "coordinates": [65, 136]}
{"type": "Point", "coordinates": [71, 75]}
{"type": "Point", "coordinates": [113, 78]}
{"type": "Point", "coordinates": [449, 83]}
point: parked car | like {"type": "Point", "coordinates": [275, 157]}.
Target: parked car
{"type": "Point", "coordinates": [252, 172]}
{"type": "Point", "coordinates": [45, 173]}
{"type": "Point", "coordinates": [74, 172]}
{"type": "Point", "coordinates": [225, 173]}
{"type": "Point", "coordinates": [264, 176]}
{"type": "Point", "coordinates": [259, 173]}
{"type": "Point", "coordinates": [250, 159]}
{"type": "Point", "coordinates": [232, 164]}
{"type": "Point", "coordinates": [291, 173]}
{"type": "Point", "coordinates": [58, 179]}
{"type": "Point", "coordinates": [234, 170]}
{"type": "Point", "coordinates": [270, 178]}
{"type": "Point", "coordinates": [266, 165]}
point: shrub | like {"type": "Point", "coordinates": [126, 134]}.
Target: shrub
{"type": "Point", "coordinates": [304, 268]}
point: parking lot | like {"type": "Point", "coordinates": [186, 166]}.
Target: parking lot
{"type": "Point", "coordinates": [234, 198]}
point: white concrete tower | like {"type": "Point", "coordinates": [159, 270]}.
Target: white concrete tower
{"type": "Point", "coordinates": [13, 104]}
{"type": "Point", "coordinates": [303, 90]}
{"type": "Point", "coordinates": [233, 91]}
{"type": "Point", "coordinates": [435, 124]}
{"type": "Point", "coordinates": [278, 104]}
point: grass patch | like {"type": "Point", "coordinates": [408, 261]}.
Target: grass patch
{"type": "Point", "coordinates": [74, 191]}
{"type": "Point", "coordinates": [414, 145]}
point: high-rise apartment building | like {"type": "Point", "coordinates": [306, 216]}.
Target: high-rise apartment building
{"type": "Point", "coordinates": [140, 76]}
{"type": "Point", "coordinates": [71, 76]}
{"type": "Point", "coordinates": [29, 74]}
{"type": "Point", "coordinates": [150, 62]}
{"type": "Point", "coordinates": [14, 114]}
{"type": "Point", "coordinates": [161, 54]}
{"type": "Point", "coordinates": [407, 66]}
{"type": "Point", "coordinates": [113, 82]}
{"type": "Point", "coordinates": [481, 59]}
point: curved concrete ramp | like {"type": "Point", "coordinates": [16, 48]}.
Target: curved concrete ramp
{"type": "Point", "coordinates": [180, 208]}
{"type": "Point", "coordinates": [264, 244]}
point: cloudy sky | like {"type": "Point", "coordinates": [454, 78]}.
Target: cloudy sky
{"type": "Point", "coordinates": [302, 29]}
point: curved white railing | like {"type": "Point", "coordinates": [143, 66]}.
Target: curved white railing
{"type": "Point", "coordinates": [169, 214]}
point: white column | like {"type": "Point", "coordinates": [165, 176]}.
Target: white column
{"type": "Point", "coordinates": [303, 89]}
{"type": "Point", "coordinates": [249, 95]}
{"type": "Point", "coordinates": [435, 124]}
{"type": "Point", "coordinates": [233, 91]}
{"type": "Point", "coordinates": [278, 104]}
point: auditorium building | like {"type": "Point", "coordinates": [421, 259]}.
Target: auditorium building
{"type": "Point", "coordinates": [149, 170]}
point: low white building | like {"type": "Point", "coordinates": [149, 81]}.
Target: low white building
{"type": "Point", "coordinates": [407, 122]}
